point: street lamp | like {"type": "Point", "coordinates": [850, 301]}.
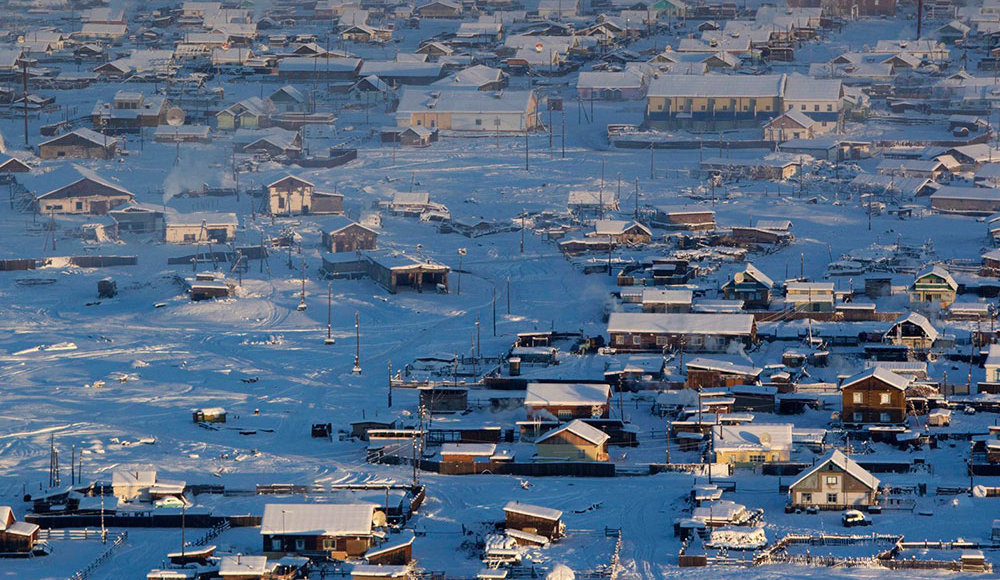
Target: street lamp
{"type": "Point", "coordinates": [461, 254]}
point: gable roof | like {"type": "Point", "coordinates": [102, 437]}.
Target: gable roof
{"type": "Point", "coordinates": [294, 178]}
{"type": "Point", "coordinates": [581, 430]}
{"type": "Point", "coordinates": [773, 436]}
{"type": "Point", "coordinates": [846, 464]}
{"type": "Point", "coordinates": [353, 519]}
{"type": "Point", "coordinates": [534, 511]}
{"type": "Point", "coordinates": [940, 272]}
{"type": "Point", "coordinates": [70, 181]}
{"type": "Point", "coordinates": [541, 394]}
{"type": "Point", "coordinates": [917, 319]}
{"type": "Point", "coordinates": [89, 135]}
{"type": "Point", "coordinates": [337, 223]}
{"type": "Point", "coordinates": [882, 374]}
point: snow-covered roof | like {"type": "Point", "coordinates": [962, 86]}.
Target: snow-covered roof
{"type": "Point", "coordinates": [717, 85]}
{"type": "Point", "coordinates": [724, 366]}
{"type": "Point", "coordinates": [803, 88]}
{"type": "Point", "coordinates": [380, 571]}
{"type": "Point", "coordinates": [618, 227]}
{"type": "Point", "coordinates": [773, 437]}
{"type": "Point", "coordinates": [133, 477]}
{"type": "Point", "coordinates": [940, 273]}
{"type": "Point", "coordinates": [755, 273]}
{"type": "Point", "coordinates": [882, 374]}
{"type": "Point", "coordinates": [581, 430]}
{"type": "Point", "coordinates": [527, 536]}
{"type": "Point", "coordinates": [917, 319]}
{"type": "Point", "coordinates": [210, 219]}
{"type": "Point", "coordinates": [663, 296]}
{"type": "Point", "coordinates": [240, 565]}
{"type": "Point", "coordinates": [718, 511]}
{"type": "Point", "coordinates": [455, 100]}
{"type": "Point", "coordinates": [473, 77]}
{"type": "Point", "coordinates": [533, 511]}
{"type": "Point", "coordinates": [354, 519]}
{"type": "Point", "coordinates": [21, 529]}
{"type": "Point", "coordinates": [609, 80]}
{"type": "Point", "coordinates": [681, 323]}
{"type": "Point", "coordinates": [478, 449]}
{"type": "Point", "coordinates": [845, 463]}
{"type": "Point", "coordinates": [543, 394]}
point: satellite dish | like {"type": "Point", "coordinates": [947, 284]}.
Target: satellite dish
{"type": "Point", "coordinates": [738, 277]}
{"type": "Point", "coordinates": [175, 117]}
{"type": "Point", "coordinates": [539, 47]}
{"type": "Point", "coordinates": [378, 519]}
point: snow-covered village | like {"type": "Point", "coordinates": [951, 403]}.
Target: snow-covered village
{"type": "Point", "coordinates": [499, 289]}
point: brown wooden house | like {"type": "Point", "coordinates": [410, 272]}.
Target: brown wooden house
{"type": "Point", "coordinates": [341, 234]}
{"type": "Point", "coordinates": [337, 531]}
{"type": "Point", "coordinates": [876, 396]}
{"type": "Point", "coordinates": [15, 536]}
{"type": "Point", "coordinates": [574, 441]}
{"type": "Point", "coordinates": [82, 143]}
{"type": "Point", "coordinates": [397, 551]}
{"type": "Point", "coordinates": [835, 483]}
{"type": "Point", "coordinates": [534, 519]}
{"type": "Point", "coordinates": [712, 373]}
{"type": "Point", "coordinates": [751, 286]}
{"type": "Point", "coordinates": [565, 401]}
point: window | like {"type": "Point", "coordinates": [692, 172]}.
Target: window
{"type": "Point", "coordinates": [858, 398]}
{"type": "Point", "coordinates": [858, 417]}
{"type": "Point", "coordinates": [189, 238]}
{"type": "Point", "coordinates": [815, 107]}
{"type": "Point", "coordinates": [619, 339]}
{"type": "Point", "coordinates": [883, 399]}
{"type": "Point", "coordinates": [884, 417]}
{"type": "Point", "coordinates": [703, 107]}
{"type": "Point", "coordinates": [831, 480]}
{"type": "Point", "coordinates": [696, 340]}
{"type": "Point", "coordinates": [479, 122]}
{"type": "Point", "coordinates": [419, 122]}
{"type": "Point", "coordinates": [281, 202]}
{"type": "Point", "coordinates": [300, 544]}
{"type": "Point", "coordinates": [803, 106]}
{"type": "Point", "coordinates": [79, 205]}
{"type": "Point", "coordinates": [757, 458]}
{"type": "Point", "coordinates": [276, 544]}
{"type": "Point", "coordinates": [831, 498]}
{"type": "Point", "coordinates": [637, 340]}
{"type": "Point", "coordinates": [61, 154]}
{"type": "Point", "coordinates": [829, 108]}
{"type": "Point", "coordinates": [806, 497]}
{"type": "Point", "coordinates": [661, 341]}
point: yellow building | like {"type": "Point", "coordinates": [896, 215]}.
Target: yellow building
{"type": "Point", "coordinates": [934, 286]}
{"type": "Point", "coordinates": [574, 441]}
{"type": "Point", "coordinates": [713, 101]}
{"type": "Point", "coordinates": [751, 444]}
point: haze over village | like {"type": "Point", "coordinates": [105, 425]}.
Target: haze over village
{"type": "Point", "coordinates": [499, 289]}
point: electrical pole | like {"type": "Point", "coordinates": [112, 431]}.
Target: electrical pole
{"type": "Point", "coordinates": [526, 148]}
{"type": "Point", "coordinates": [357, 343]}
{"type": "Point", "coordinates": [24, 68]}
{"type": "Point", "coordinates": [494, 311]}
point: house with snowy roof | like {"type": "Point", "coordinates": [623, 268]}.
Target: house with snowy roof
{"type": "Point", "coordinates": [751, 286]}
{"type": "Point", "coordinates": [464, 110]}
{"type": "Point", "coordinates": [753, 443]}
{"type": "Point", "coordinates": [477, 77]}
{"type": "Point", "coordinates": [837, 482]}
{"type": "Point", "coordinates": [73, 190]}
{"type": "Point", "coordinates": [876, 396]}
{"type": "Point", "coordinates": [574, 441]}
{"type": "Point", "coordinates": [912, 330]}
{"type": "Point", "coordinates": [714, 101]}
{"type": "Point", "coordinates": [791, 124]}
{"type": "Point", "coordinates": [707, 372]}
{"type": "Point", "coordinates": [80, 143]}
{"type": "Point", "coordinates": [337, 531]}
{"type": "Point", "coordinates": [692, 332]}
{"type": "Point", "coordinates": [539, 520]}
{"type": "Point", "coordinates": [341, 234]}
{"type": "Point", "coordinates": [934, 285]}
{"type": "Point", "coordinates": [565, 401]}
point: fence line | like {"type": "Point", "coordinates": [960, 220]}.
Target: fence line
{"type": "Point", "coordinates": [100, 560]}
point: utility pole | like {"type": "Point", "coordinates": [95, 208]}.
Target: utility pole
{"type": "Point", "coordinates": [479, 352]}
{"type": "Point", "coordinates": [507, 292]}
{"type": "Point", "coordinates": [24, 69]}
{"type": "Point", "coordinates": [563, 134]}
{"type": "Point", "coordinates": [651, 171]}
{"type": "Point", "coordinates": [329, 315]}
{"type": "Point", "coordinates": [522, 229]}
{"type": "Point", "coordinates": [526, 148]}
{"type": "Point", "coordinates": [302, 295]}
{"type": "Point", "coordinates": [389, 364]}
{"type": "Point", "coordinates": [636, 215]}
{"type": "Point", "coordinates": [357, 344]}
{"type": "Point", "coordinates": [494, 311]}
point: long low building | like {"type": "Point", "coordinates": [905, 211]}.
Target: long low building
{"type": "Point", "coordinates": [972, 200]}
{"type": "Point", "coordinates": [463, 110]}
{"type": "Point", "coordinates": [390, 268]}
{"type": "Point", "coordinates": [693, 332]}
{"type": "Point", "coordinates": [713, 101]}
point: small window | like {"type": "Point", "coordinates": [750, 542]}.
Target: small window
{"type": "Point", "coordinates": [858, 398]}
{"type": "Point", "coordinates": [757, 458]}
{"type": "Point", "coordinates": [806, 497]}
{"type": "Point", "coordinates": [884, 417]}
{"type": "Point", "coordinates": [79, 205]}
{"type": "Point", "coordinates": [831, 480]}
{"type": "Point", "coordinates": [300, 544]}
{"type": "Point", "coordinates": [829, 108]}
{"type": "Point", "coordinates": [883, 399]}
{"type": "Point", "coordinates": [815, 107]}
{"type": "Point", "coordinates": [329, 544]}
{"type": "Point", "coordinates": [637, 340]}
{"type": "Point", "coordinates": [61, 154]}
{"type": "Point", "coordinates": [661, 341]}
{"type": "Point", "coordinates": [619, 339]}
{"type": "Point", "coordinates": [803, 106]}
{"type": "Point", "coordinates": [419, 122]}
{"type": "Point", "coordinates": [276, 544]}
{"type": "Point", "coordinates": [831, 498]}
{"type": "Point", "coordinates": [479, 122]}
{"type": "Point", "coordinates": [858, 417]}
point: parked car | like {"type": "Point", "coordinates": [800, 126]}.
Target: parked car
{"type": "Point", "coordinates": [852, 518]}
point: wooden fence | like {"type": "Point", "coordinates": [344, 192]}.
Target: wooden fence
{"type": "Point", "coordinates": [104, 557]}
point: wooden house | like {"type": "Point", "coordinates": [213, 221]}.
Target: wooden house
{"type": "Point", "coordinates": [289, 99]}
{"type": "Point", "coordinates": [934, 286]}
{"type": "Point", "coordinates": [196, 228]}
{"type": "Point", "coordinates": [440, 9]}
{"type": "Point", "coordinates": [534, 519]}
{"type": "Point", "coordinates": [622, 232]}
{"type": "Point", "coordinates": [565, 401]}
{"type": "Point", "coordinates": [443, 398]}
{"type": "Point", "coordinates": [250, 113]}
{"type": "Point", "coordinates": [574, 441]}
{"type": "Point", "coordinates": [81, 143]}
{"type": "Point", "coordinates": [10, 164]}
{"type": "Point", "coordinates": [130, 112]}
{"type": "Point", "coordinates": [789, 125]}
{"type": "Point", "coordinates": [138, 218]}
{"type": "Point", "coordinates": [293, 195]}
{"type": "Point", "coordinates": [684, 218]}
{"type": "Point", "coordinates": [417, 136]}
{"type": "Point", "coordinates": [245, 567]}
{"type": "Point", "coordinates": [209, 415]}
{"type": "Point", "coordinates": [912, 330]}
{"type": "Point", "coordinates": [810, 296]}
{"type": "Point", "coordinates": [752, 443]}
{"type": "Point", "coordinates": [751, 286]}
{"type": "Point", "coordinates": [692, 332]}
{"type": "Point", "coordinates": [457, 109]}
{"type": "Point", "coordinates": [966, 200]}
{"type": "Point", "coordinates": [16, 537]}
{"type": "Point", "coordinates": [396, 551]}
{"type": "Point", "coordinates": [876, 396]}
{"type": "Point", "coordinates": [706, 373]}
{"type": "Point", "coordinates": [341, 234]}
{"type": "Point", "coordinates": [336, 531]}
{"type": "Point", "coordinates": [837, 482]}
{"type": "Point", "coordinates": [467, 452]}
{"type": "Point", "coordinates": [394, 270]}
{"type": "Point", "coordinates": [87, 194]}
